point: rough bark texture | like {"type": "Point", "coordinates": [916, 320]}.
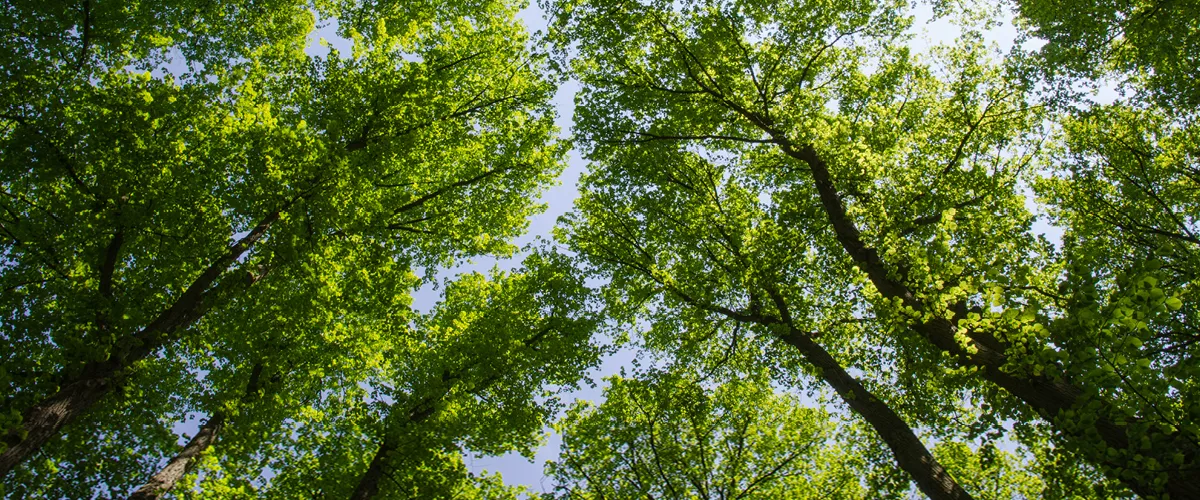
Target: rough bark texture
{"type": "Point", "coordinates": [81, 391]}
{"type": "Point", "coordinates": [912, 455]}
{"type": "Point", "coordinates": [182, 462]}
{"type": "Point", "coordinates": [43, 420]}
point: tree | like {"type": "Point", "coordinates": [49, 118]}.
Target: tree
{"type": "Point", "coordinates": [145, 215]}
{"type": "Point", "coordinates": [1122, 185]}
{"type": "Point", "coordinates": [670, 435]}
{"type": "Point", "coordinates": [1151, 47]}
{"type": "Point", "coordinates": [210, 222]}
{"type": "Point", "coordinates": [692, 240]}
{"type": "Point", "coordinates": [1124, 191]}
{"type": "Point", "coordinates": [479, 375]}
{"type": "Point", "coordinates": [888, 188]}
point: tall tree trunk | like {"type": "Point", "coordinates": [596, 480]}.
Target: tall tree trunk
{"type": "Point", "coordinates": [78, 393]}
{"type": "Point", "coordinates": [183, 461]}
{"type": "Point", "coordinates": [1050, 397]}
{"type": "Point", "coordinates": [912, 455]}
{"type": "Point", "coordinates": [368, 483]}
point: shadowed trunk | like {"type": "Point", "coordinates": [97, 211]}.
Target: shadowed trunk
{"type": "Point", "coordinates": [80, 392]}
{"type": "Point", "coordinates": [912, 455]}
{"type": "Point", "coordinates": [368, 484]}
{"type": "Point", "coordinates": [183, 461]}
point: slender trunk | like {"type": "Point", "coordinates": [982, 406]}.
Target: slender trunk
{"type": "Point", "coordinates": [368, 483]}
{"type": "Point", "coordinates": [1050, 397]}
{"type": "Point", "coordinates": [81, 391]}
{"type": "Point", "coordinates": [912, 455]}
{"type": "Point", "coordinates": [182, 462]}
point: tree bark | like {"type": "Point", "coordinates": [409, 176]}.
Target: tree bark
{"type": "Point", "coordinates": [81, 391]}
{"type": "Point", "coordinates": [368, 483]}
{"type": "Point", "coordinates": [912, 455]}
{"type": "Point", "coordinates": [182, 462]}
{"type": "Point", "coordinates": [1050, 397]}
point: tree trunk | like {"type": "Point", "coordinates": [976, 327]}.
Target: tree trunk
{"type": "Point", "coordinates": [80, 392]}
{"type": "Point", "coordinates": [368, 483]}
{"type": "Point", "coordinates": [912, 455]}
{"type": "Point", "coordinates": [182, 462]}
{"type": "Point", "coordinates": [1050, 397]}
{"type": "Point", "coordinates": [43, 420]}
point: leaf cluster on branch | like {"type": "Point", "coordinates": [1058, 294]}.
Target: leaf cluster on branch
{"type": "Point", "coordinates": [845, 268]}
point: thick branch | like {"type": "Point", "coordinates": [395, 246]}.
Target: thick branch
{"type": "Point", "coordinates": [421, 200]}
{"type": "Point", "coordinates": [179, 465]}
{"type": "Point", "coordinates": [111, 254]}
{"type": "Point", "coordinates": [910, 453]}
{"type": "Point", "coordinates": [368, 484]}
{"type": "Point", "coordinates": [78, 393]}
{"type": "Point", "coordinates": [182, 462]}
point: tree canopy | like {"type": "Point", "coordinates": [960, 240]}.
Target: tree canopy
{"type": "Point", "coordinates": [845, 267]}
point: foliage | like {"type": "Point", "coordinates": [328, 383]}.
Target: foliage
{"type": "Point", "coordinates": [870, 271]}
{"type": "Point", "coordinates": [1151, 47]}
{"type": "Point", "coordinates": [666, 434]}
{"type": "Point", "coordinates": [749, 165]}
{"type": "Point", "coordinates": [164, 231]}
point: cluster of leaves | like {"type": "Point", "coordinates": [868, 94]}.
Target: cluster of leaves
{"type": "Point", "coordinates": [666, 435]}
{"type": "Point", "coordinates": [206, 222]}
{"type": "Point", "coordinates": [797, 171]}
